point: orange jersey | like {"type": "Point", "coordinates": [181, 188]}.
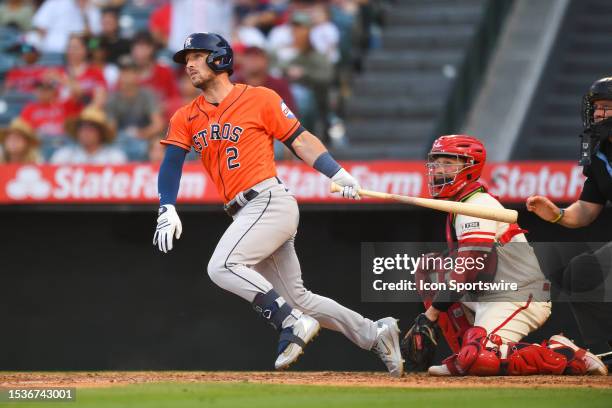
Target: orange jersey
{"type": "Point", "coordinates": [234, 139]}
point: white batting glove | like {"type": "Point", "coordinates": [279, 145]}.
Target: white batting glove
{"type": "Point", "coordinates": [168, 226]}
{"type": "Point", "coordinates": [350, 185]}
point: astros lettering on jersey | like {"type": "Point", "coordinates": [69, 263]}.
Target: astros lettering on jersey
{"type": "Point", "coordinates": [235, 138]}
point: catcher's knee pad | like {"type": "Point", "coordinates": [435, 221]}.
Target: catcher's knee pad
{"type": "Point", "coordinates": [530, 359]}
{"type": "Point", "coordinates": [474, 358]}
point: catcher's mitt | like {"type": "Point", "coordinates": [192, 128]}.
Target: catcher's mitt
{"type": "Point", "coordinates": [419, 344]}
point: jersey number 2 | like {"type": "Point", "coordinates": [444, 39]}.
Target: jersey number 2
{"type": "Point", "coordinates": [232, 156]}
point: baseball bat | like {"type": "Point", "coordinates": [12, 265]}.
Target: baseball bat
{"type": "Point", "coordinates": [472, 210]}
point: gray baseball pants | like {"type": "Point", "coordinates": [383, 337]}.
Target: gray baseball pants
{"type": "Point", "coordinates": [257, 253]}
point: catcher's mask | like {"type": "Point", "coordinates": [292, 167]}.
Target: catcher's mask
{"type": "Point", "coordinates": [454, 177]}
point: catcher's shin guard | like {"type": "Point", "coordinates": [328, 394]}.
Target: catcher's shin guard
{"type": "Point", "coordinates": [474, 358]}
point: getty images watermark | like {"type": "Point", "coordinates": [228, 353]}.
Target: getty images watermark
{"type": "Point", "coordinates": [443, 265]}
{"type": "Point", "coordinates": [512, 272]}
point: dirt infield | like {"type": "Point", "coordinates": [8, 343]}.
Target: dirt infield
{"type": "Point", "coordinates": [329, 378]}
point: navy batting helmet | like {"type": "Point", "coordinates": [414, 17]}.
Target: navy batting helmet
{"type": "Point", "coordinates": [221, 58]}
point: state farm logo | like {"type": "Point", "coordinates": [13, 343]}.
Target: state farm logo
{"type": "Point", "coordinates": [28, 183]}
{"type": "Point", "coordinates": [513, 181]}
{"type": "Point", "coordinates": [96, 183]}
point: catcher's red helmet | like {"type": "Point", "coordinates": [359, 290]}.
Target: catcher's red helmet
{"type": "Point", "coordinates": [449, 184]}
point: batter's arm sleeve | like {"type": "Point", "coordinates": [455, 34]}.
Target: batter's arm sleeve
{"type": "Point", "coordinates": [170, 171]}
{"type": "Point", "coordinates": [178, 133]}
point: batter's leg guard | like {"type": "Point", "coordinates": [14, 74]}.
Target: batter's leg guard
{"type": "Point", "coordinates": [272, 308]}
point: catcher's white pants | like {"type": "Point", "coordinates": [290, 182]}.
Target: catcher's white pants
{"type": "Point", "coordinates": [256, 253]}
{"type": "Point", "coordinates": [512, 321]}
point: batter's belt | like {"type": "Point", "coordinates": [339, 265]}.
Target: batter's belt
{"type": "Point", "coordinates": [242, 198]}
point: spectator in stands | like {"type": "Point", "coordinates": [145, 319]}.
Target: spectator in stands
{"type": "Point", "coordinates": [153, 75]}
{"type": "Point", "coordinates": [136, 112]}
{"type": "Point", "coordinates": [345, 15]}
{"type": "Point", "coordinates": [23, 77]}
{"type": "Point", "coordinates": [159, 24]}
{"type": "Point", "coordinates": [110, 38]}
{"type": "Point", "coordinates": [254, 71]}
{"type": "Point", "coordinates": [310, 74]}
{"type": "Point", "coordinates": [190, 16]}
{"type": "Point", "coordinates": [82, 81]}
{"type": "Point", "coordinates": [19, 143]}
{"type": "Point", "coordinates": [255, 13]}
{"type": "Point", "coordinates": [244, 37]}
{"type": "Point", "coordinates": [55, 20]}
{"type": "Point", "coordinates": [47, 115]}
{"type": "Point", "coordinates": [99, 60]}
{"type": "Point", "coordinates": [324, 35]}
{"type": "Point", "coordinates": [17, 14]}
{"type": "Point", "coordinates": [94, 135]}
{"type": "Point", "coordinates": [171, 22]}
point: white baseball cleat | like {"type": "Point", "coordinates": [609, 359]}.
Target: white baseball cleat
{"type": "Point", "coordinates": [293, 339]}
{"type": "Point", "coordinates": [387, 346]}
{"type": "Point", "coordinates": [593, 364]}
{"type": "Point", "coordinates": [439, 371]}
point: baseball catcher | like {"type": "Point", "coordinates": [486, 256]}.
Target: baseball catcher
{"type": "Point", "coordinates": [484, 329]}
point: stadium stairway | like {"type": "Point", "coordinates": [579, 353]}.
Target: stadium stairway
{"type": "Point", "coordinates": [582, 53]}
{"type": "Point", "coordinates": [399, 96]}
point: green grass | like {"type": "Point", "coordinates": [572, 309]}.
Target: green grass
{"type": "Point", "coordinates": [288, 396]}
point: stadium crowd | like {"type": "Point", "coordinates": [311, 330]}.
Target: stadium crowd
{"type": "Point", "coordinates": [91, 81]}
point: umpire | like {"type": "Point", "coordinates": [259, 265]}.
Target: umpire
{"type": "Point", "coordinates": [590, 269]}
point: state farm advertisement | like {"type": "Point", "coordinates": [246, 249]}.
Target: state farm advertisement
{"type": "Point", "coordinates": [137, 183]}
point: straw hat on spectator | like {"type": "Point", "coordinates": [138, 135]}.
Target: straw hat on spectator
{"type": "Point", "coordinates": [96, 117]}
{"type": "Point", "coordinates": [22, 127]}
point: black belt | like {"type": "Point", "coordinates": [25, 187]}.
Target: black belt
{"type": "Point", "coordinates": [234, 206]}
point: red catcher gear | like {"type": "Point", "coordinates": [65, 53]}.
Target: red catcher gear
{"type": "Point", "coordinates": [483, 355]}
{"type": "Point", "coordinates": [459, 146]}
{"type": "Point", "coordinates": [530, 359]}
{"type": "Point", "coordinates": [474, 358]}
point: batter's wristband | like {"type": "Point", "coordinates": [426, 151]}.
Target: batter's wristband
{"type": "Point", "coordinates": [561, 214]}
{"type": "Point", "coordinates": [326, 164]}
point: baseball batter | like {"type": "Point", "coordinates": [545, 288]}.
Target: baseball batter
{"type": "Point", "coordinates": [484, 329]}
{"type": "Point", "coordinates": [232, 127]}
